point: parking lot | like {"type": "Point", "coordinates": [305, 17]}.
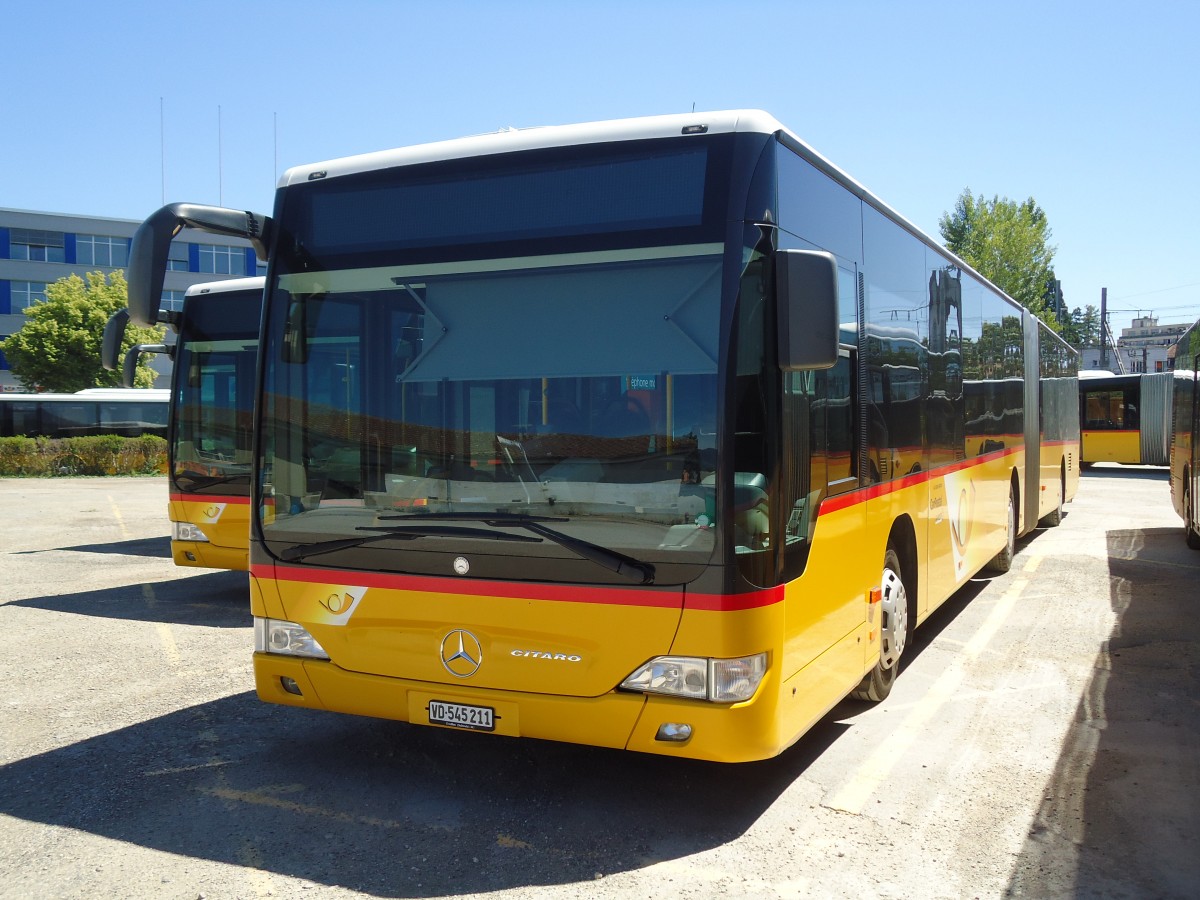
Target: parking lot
{"type": "Point", "coordinates": [1041, 741]}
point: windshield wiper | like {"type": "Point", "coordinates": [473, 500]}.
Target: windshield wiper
{"type": "Point", "coordinates": [200, 482]}
{"type": "Point", "coordinates": [398, 532]}
{"type": "Point", "coordinates": [625, 566]}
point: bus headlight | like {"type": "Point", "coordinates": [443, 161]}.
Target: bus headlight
{"type": "Point", "coordinates": [286, 638]}
{"type": "Point", "coordinates": [186, 531]}
{"type": "Point", "coordinates": [718, 680]}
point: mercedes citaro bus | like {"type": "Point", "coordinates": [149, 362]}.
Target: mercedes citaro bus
{"type": "Point", "coordinates": [659, 434]}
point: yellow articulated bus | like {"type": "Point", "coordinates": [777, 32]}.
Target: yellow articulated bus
{"type": "Point", "coordinates": [1126, 418]}
{"type": "Point", "coordinates": [1185, 438]}
{"type": "Point", "coordinates": [211, 411]}
{"type": "Point", "coordinates": [607, 434]}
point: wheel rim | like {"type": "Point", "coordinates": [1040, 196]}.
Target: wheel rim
{"type": "Point", "coordinates": [893, 631]}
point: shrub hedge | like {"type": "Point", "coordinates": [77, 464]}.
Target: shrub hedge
{"type": "Point", "coordinates": [106, 454]}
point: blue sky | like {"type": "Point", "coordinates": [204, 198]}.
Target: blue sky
{"type": "Point", "coordinates": [1091, 108]}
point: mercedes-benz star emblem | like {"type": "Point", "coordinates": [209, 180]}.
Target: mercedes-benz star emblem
{"type": "Point", "coordinates": [461, 653]}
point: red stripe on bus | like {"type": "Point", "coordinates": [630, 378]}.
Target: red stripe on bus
{"type": "Point", "coordinates": [612, 596]}
{"type": "Point", "coordinates": [734, 602]}
{"type": "Point", "coordinates": [208, 498]}
{"type": "Point", "coordinates": [853, 498]}
{"type": "Point", "coordinates": [608, 595]}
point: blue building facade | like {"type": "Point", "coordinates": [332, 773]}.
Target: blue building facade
{"type": "Point", "coordinates": [39, 248]}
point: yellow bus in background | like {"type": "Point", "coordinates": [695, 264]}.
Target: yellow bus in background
{"type": "Point", "coordinates": [1126, 418]}
{"type": "Point", "coordinates": [211, 418]}
{"type": "Point", "coordinates": [658, 434]}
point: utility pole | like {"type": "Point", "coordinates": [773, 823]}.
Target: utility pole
{"type": "Point", "coordinates": [1103, 328]}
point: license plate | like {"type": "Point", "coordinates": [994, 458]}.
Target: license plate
{"type": "Point", "coordinates": [459, 715]}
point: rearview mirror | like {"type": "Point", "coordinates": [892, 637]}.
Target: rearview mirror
{"type": "Point", "coordinates": [131, 360]}
{"type": "Point", "coordinates": [294, 348]}
{"type": "Point", "coordinates": [806, 292]}
{"type": "Point", "coordinates": [152, 245]}
{"type": "Point", "coordinates": [110, 343]}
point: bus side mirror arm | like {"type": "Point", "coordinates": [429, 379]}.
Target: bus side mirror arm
{"type": "Point", "coordinates": [806, 295]}
{"type": "Point", "coordinates": [129, 370]}
{"type": "Point", "coordinates": [152, 244]}
{"type": "Point", "coordinates": [110, 343]}
{"type": "Point", "coordinates": [114, 334]}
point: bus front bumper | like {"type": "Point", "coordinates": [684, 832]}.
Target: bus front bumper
{"type": "Point", "coordinates": [210, 556]}
{"type": "Point", "coordinates": [739, 732]}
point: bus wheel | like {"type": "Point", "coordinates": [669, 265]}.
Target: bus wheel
{"type": "Point", "coordinates": [1002, 561]}
{"type": "Point", "coordinates": [893, 633]}
{"type": "Point", "coordinates": [1190, 534]}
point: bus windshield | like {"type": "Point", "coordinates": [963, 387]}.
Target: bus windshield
{"type": "Point", "coordinates": [214, 384]}
{"type": "Point", "coordinates": [437, 395]}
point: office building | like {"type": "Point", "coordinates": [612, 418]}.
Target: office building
{"type": "Point", "coordinates": [1145, 346]}
{"type": "Point", "coordinates": [39, 248]}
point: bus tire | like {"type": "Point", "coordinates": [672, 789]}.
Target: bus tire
{"type": "Point", "coordinates": [1002, 561]}
{"type": "Point", "coordinates": [1189, 533]}
{"type": "Point", "coordinates": [893, 633]}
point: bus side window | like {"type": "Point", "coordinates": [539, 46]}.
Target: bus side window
{"type": "Point", "coordinates": [839, 444]}
{"type": "Point", "coordinates": [804, 465]}
{"type": "Point", "coordinates": [819, 451]}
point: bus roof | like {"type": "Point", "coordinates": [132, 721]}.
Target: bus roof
{"type": "Point", "coordinates": [255, 283]}
{"type": "Point", "coordinates": [509, 140]}
{"type": "Point", "coordinates": [515, 139]}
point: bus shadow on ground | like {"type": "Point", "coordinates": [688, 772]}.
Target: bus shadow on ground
{"type": "Point", "coordinates": [214, 600]}
{"type": "Point", "coordinates": [1127, 765]}
{"type": "Point", "coordinates": [388, 809]}
{"type": "Point", "coordinates": [152, 548]}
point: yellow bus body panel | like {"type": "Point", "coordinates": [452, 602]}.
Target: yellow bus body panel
{"type": "Point", "coordinates": [820, 632]}
{"type": "Point", "coordinates": [536, 699]}
{"type": "Point", "coordinates": [394, 627]}
{"type": "Point", "coordinates": [1112, 446]}
{"type": "Point", "coordinates": [225, 521]}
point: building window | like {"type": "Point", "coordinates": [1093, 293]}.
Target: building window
{"type": "Point", "coordinates": [177, 258]}
{"type": "Point", "coordinates": [38, 246]}
{"type": "Point", "coordinates": [101, 250]}
{"type": "Point", "coordinates": [172, 300]}
{"type": "Point", "coordinates": [27, 293]}
{"type": "Point", "coordinates": [216, 260]}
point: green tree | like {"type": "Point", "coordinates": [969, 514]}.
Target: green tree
{"type": "Point", "coordinates": [58, 347]}
{"type": "Point", "coordinates": [1191, 349]}
{"type": "Point", "coordinates": [1082, 328]}
{"type": "Point", "coordinates": [1008, 243]}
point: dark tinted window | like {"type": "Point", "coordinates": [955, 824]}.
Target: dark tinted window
{"type": "Point", "coordinates": [662, 188]}
{"type": "Point", "coordinates": [816, 208]}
